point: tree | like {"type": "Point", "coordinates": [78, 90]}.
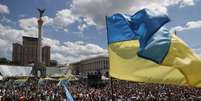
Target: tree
{"type": "Point", "coordinates": [4, 61]}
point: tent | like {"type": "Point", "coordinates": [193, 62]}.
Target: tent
{"type": "Point", "coordinates": [15, 71]}
{"type": "Point", "coordinates": [18, 71]}
{"type": "Point", "coordinates": [1, 78]}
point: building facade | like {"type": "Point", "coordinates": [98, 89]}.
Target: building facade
{"type": "Point", "coordinates": [26, 53]}
{"type": "Point", "coordinates": [17, 54]}
{"type": "Point", "coordinates": [90, 66]}
{"type": "Point", "coordinates": [46, 55]}
{"type": "Point", "coordinates": [29, 50]}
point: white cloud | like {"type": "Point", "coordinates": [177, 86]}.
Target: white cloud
{"type": "Point", "coordinates": [28, 23]}
{"type": "Point", "coordinates": [7, 37]}
{"type": "Point", "coordinates": [3, 43]}
{"type": "Point", "coordinates": [61, 21]}
{"type": "Point", "coordinates": [85, 23]}
{"type": "Point", "coordinates": [6, 20]}
{"type": "Point", "coordinates": [157, 8]}
{"type": "Point", "coordinates": [31, 23]}
{"type": "Point", "coordinates": [59, 57]}
{"type": "Point", "coordinates": [198, 51]}
{"type": "Point", "coordinates": [96, 10]}
{"type": "Point", "coordinates": [4, 9]}
{"type": "Point", "coordinates": [51, 42]}
{"type": "Point", "coordinates": [64, 18]}
{"type": "Point", "coordinates": [188, 26]}
{"type": "Point", "coordinates": [181, 3]}
{"type": "Point", "coordinates": [4, 49]}
{"type": "Point", "coordinates": [187, 3]}
{"type": "Point", "coordinates": [68, 52]}
{"type": "Point", "coordinates": [194, 24]}
{"type": "Point", "coordinates": [9, 34]}
{"type": "Point", "coordinates": [93, 12]}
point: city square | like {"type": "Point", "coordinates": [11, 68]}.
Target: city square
{"type": "Point", "coordinates": [100, 50]}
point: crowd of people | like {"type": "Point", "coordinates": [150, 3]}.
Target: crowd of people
{"type": "Point", "coordinates": [31, 91]}
{"type": "Point", "coordinates": [129, 91]}
{"type": "Point", "coordinates": [81, 91]}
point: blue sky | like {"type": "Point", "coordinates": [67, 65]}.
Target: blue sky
{"type": "Point", "coordinates": [75, 29]}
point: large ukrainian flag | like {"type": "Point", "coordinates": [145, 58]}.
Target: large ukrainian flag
{"type": "Point", "coordinates": [141, 50]}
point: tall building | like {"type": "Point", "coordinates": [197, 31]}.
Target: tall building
{"type": "Point", "coordinates": [26, 53]}
{"type": "Point", "coordinates": [29, 50]}
{"type": "Point", "coordinates": [17, 53]}
{"type": "Point", "coordinates": [46, 55]}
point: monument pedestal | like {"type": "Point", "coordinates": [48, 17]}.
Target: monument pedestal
{"type": "Point", "coordinates": [39, 71]}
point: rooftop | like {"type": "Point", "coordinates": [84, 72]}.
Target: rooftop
{"type": "Point", "coordinates": [29, 38]}
{"type": "Point", "coordinates": [91, 58]}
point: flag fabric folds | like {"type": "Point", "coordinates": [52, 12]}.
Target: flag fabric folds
{"type": "Point", "coordinates": [67, 93]}
{"type": "Point", "coordinates": [141, 50]}
{"type": "Point", "coordinates": [141, 26]}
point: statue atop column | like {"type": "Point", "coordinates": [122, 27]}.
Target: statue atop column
{"type": "Point", "coordinates": [41, 11]}
{"type": "Point", "coordinates": [38, 64]}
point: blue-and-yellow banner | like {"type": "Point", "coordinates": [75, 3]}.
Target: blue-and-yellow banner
{"type": "Point", "coordinates": [141, 50]}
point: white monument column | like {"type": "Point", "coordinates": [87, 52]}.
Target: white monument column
{"type": "Point", "coordinates": [39, 48]}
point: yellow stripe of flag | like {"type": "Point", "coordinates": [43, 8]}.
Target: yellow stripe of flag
{"type": "Point", "coordinates": [181, 65]}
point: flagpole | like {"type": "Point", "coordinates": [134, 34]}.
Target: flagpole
{"type": "Point", "coordinates": [111, 80]}
{"type": "Point", "coordinates": [111, 85]}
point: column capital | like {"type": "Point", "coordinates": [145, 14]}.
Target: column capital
{"type": "Point", "coordinates": [40, 21]}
